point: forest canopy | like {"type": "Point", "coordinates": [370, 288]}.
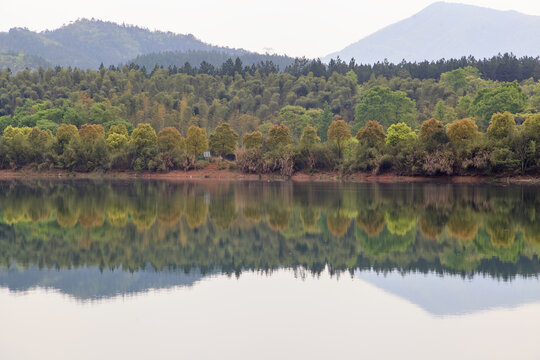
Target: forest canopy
{"type": "Point", "coordinates": [461, 100]}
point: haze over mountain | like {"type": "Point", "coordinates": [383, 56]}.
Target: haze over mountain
{"type": "Point", "coordinates": [448, 30]}
{"type": "Point", "coordinates": [88, 43]}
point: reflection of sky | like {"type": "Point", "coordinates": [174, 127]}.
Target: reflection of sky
{"type": "Point", "coordinates": [451, 294]}
{"type": "Point", "coordinates": [258, 316]}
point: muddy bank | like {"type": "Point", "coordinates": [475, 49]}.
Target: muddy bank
{"type": "Point", "coordinates": [230, 175]}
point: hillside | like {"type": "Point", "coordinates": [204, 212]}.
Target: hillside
{"type": "Point", "coordinates": [18, 62]}
{"type": "Point", "coordinates": [88, 43]}
{"type": "Point", "coordinates": [447, 30]}
{"type": "Point", "coordinates": [214, 58]}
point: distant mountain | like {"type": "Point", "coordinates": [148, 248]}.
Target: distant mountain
{"type": "Point", "coordinates": [447, 30]}
{"type": "Point", "coordinates": [215, 58]}
{"type": "Point", "coordinates": [88, 43]}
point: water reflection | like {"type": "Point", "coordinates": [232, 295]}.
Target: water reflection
{"type": "Point", "coordinates": [232, 227]}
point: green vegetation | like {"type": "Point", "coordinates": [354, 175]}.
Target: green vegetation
{"type": "Point", "coordinates": [123, 118]}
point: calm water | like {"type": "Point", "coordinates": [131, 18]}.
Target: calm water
{"type": "Point", "coordinates": [139, 270]}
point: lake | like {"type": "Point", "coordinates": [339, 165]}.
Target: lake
{"type": "Point", "coordinates": [268, 270]}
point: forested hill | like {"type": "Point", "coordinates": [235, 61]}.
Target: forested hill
{"type": "Point", "coordinates": [17, 62]}
{"type": "Point", "coordinates": [446, 30]}
{"type": "Point", "coordinates": [214, 58]}
{"type": "Point", "coordinates": [88, 43]}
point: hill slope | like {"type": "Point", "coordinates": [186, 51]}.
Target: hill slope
{"type": "Point", "coordinates": [215, 58]}
{"type": "Point", "coordinates": [446, 30]}
{"type": "Point", "coordinates": [88, 43]}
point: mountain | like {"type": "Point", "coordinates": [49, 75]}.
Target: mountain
{"type": "Point", "coordinates": [215, 58]}
{"type": "Point", "coordinates": [447, 30]}
{"type": "Point", "coordinates": [88, 43]}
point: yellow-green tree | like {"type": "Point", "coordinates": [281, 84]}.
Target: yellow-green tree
{"type": "Point", "coordinates": [196, 142]}
{"type": "Point", "coordinates": [339, 133]}
{"type": "Point", "coordinates": [253, 140]}
{"type": "Point", "coordinates": [224, 140]}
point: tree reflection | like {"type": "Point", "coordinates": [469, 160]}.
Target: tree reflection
{"type": "Point", "coordinates": [269, 225]}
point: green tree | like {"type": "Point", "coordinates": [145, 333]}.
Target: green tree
{"type": "Point", "coordinates": [385, 106]}
{"type": "Point", "coordinates": [502, 127]}
{"type": "Point", "coordinates": [506, 97]}
{"type": "Point", "coordinates": [295, 118]}
{"type": "Point", "coordinates": [399, 134]}
{"type": "Point", "coordinates": [224, 140]}
{"type": "Point", "coordinates": [144, 147]}
{"type": "Point", "coordinates": [323, 122]}
{"type": "Point", "coordinates": [171, 147]}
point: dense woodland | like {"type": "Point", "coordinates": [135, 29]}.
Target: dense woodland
{"type": "Point", "coordinates": [263, 226]}
{"type": "Point", "coordinates": [441, 118]}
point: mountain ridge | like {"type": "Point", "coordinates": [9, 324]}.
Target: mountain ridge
{"type": "Point", "coordinates": [443, 30]}
{"type": "Point", "coordinates": [86, 43]}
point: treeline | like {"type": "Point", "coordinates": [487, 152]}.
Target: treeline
{"type": "Point", "coordinates": [264, 226]}
{"type": "Point", "coordinates": [505, 67]}
{"type": "Point", "coordinates": [459, 148]}
{"type": "Point", "coordinates": [274, 122]}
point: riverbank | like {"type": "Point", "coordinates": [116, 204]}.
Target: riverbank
{"type": "Point", "coordinates": [212, 173]}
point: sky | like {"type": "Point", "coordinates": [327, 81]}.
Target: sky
{"type": "Point", "coordinates": [311, 28]}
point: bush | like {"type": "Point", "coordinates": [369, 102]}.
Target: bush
{"type": "Point", "coordinates": [250, 161]}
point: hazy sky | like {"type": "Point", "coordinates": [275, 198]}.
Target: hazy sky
{"type": "Point", "coordinates": [312, 28]}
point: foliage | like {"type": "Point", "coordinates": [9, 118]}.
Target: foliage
{"type": "Point", "coordinates": [278, 137]}
{"type": "Point", "coordinates": [339, 133]}
{"type": "Point", "coordinates": [399, 134]}
{"type": "Point", "coordinates": [253, 140]}
{"type": "Point", "coordinates": [224, 140]}
{"type": "Point", "coordinates": [506, 97]}
{"type": "Point", "coordinates": [196, 142]}
{"type": "Point", "coordinates": [385, 106]}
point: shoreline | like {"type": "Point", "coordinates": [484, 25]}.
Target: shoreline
{"type": "Point", "coordinates": [231, 175]}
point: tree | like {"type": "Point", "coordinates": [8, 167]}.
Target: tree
{"type": "Point", "coordinates": [309, 136]}
{"type": "Point", "coordinates": [169, 139]}
{"type": "Point", "coordinates": [433, 133]}
{"type": "Point", "coordinates": [385, 106]}
{"type": "Point", "coordinates": [252, 140]}
{"type": "Point", "coordinates": [90, 133]}
{"type": "Point", "coordinates": [295, 118]}
{"type": "Point", "coordinates": [278, 136]}
{"type": "Point", "coordinates": [372, 134]}
{"type": "Point", "coordinates": [501, 127]}
{"type": "Point", "coordinates": [506, 97]}
{"type": "Point", "coordinates": [224, 140]}
{"type": "Point", "coordinates": [531, 127]}
{"type": "Point", "coordinates": [462, 131]}
{"type": "Point", "coordinates": [399, 134]}
{"type": "Point", "coordinates": [171, 146]}
{"type": "Point", "coordinates": [339, 133]}
{"type": "Point", "coordinates": [459, 78]}
{"type": "Point", "coordinates": [144, 146]}
{"type": "Point", "coordinates": [323, 121]}
{"type": "Point", "coordinates": [196, 142]}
